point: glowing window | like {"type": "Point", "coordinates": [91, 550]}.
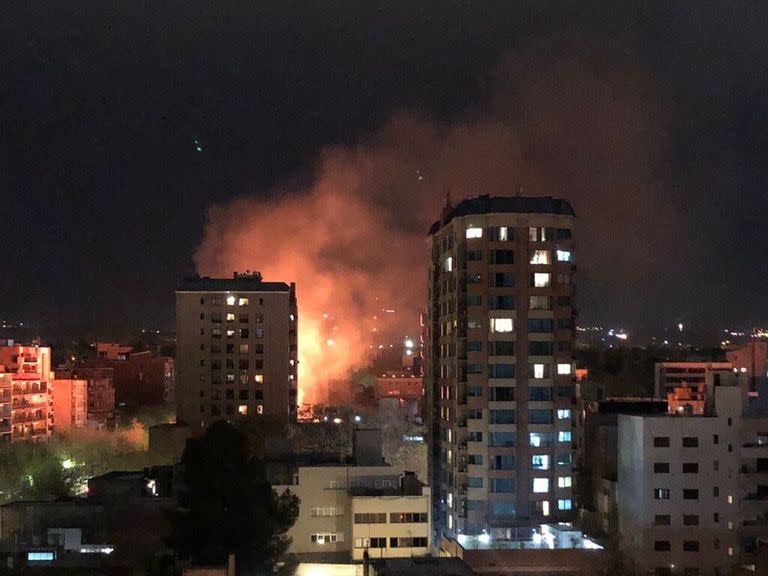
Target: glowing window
{"type": "Point", "coordinates": [564, 504]}
{"type": "Point", "coordinates": [449, 500]}
{"type": "Point", "coordinates": [541, 279]}
{"type": "Point", "coordinates": [474, 233]}
{"type": "Point", "coordinates": [540, 462]}
{"type": "Point", "coordinates": [448, 264]}
{"type": "Point", "coordinates": [563, 255]}
{"type": "Point", "coordinates": [540, 485]}
{"type": "Point", "coordinates": [563, 414]}
{"type": "Point", "coordinates": [730, 499]}
{"type": "Point", "coordinates": [540, 257]}
{"type": "Point", "coordinates": [545, 507]}
{"type": "Point", "coordinates": [230, 333]}
{"type": "Point", "coordinates": [258, 378]}
{"type": "Point", "coordinates": [563, 481]}
{"type": "Point", "coordinates": [243, 301]}
{"type": "Point", "coordinates": [259, 409]}
{"type": "Point", "coordinates": [230, 317]}
{"type": "Point", "coordinates": [242, 409]}
{"type": "Point", "coordinates": [502, 325]}
{"type": "Point", "coordinates": [231, 300]}
{"type": "Point", "coordinates": [564, 436]}
{"type": "Point", "coordinates": [563, 368]}
{"type": "Point", "coordinates": [40, 556]}
{"type": "Point", "coordinates": [538, 370]}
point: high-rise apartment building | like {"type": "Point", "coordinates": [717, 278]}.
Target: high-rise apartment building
{"type": "Point", "coordinates": [70, 403]}
{"type": "Point", "coordinates": [25, 375]}
{"type": "Point", "coordinates": [236, 349]}
{"type": "Point", "coordinates": [499, 368]}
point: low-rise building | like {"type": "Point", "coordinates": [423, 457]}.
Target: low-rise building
{"type": "Point", "coordinates": [100, 393]}
{"type": "Point", "coordinates": [347, 511]}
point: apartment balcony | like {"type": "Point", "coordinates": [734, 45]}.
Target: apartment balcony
{"type": "Point", "coordinates": [29, 389]}
{"type": "Point", "coordinates": [20, 404]}
{"type": "Point", "coordinates": [24, 418]}
{"type": "Point", "coordinates": [759, 521]}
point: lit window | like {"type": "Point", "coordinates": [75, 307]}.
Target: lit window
{"type": "Point", "coordinates": [534, 439]}
{"type": "Point", "coordinates": [243, 301]}
{"type": "Point", "coordinates": [540, 257]}
{"type": "Point", "coordinates": [449, 500]}
{"type": "Point", "coordinates": [563, 414]}
{"type": "Point", "coordinates": [502, 325]}
{"type": "Point", "coordinates": [730, 499]}
{"type": "Point", "coordinates": [259, 409]}
{"type": "Point", "coordinates": [540, 485]}
{"type": "Point", "coordinates": [258, 378]}
{"type": "Point", "coordinates": [242, 409]}
{"type": "Point", "coordinates": [230, 333]}
{"type": "Point", "coordinates": [545, 507]}
{"type": "Point", "coordinates": [230, 317]}
{"type": "Point", "coordinates": [541, 279]}
{"type": "Point", "coordinates": [564, 504]}
{"type": "Point", "coordinates": [538, 370]}
{"type": "Point", "coordinates": [563, 481]}
{"type": "Point", "coordinates": [503, 236]}
{"type": "Point", "coordinates": [474, 233]}
{"type": "Point", "coordinates": [730, 551]}
{"type": "Point", "coordinates": [292, 317]}
{"type": "Point", "coordinates": [450, 522]}
{"type": "Point", "coordinates": [448, 264]}
{"type": "Point", "coordinates": [563, 255]}
{"type": "Point", "coordinates": [40, 556]}
{"type": "Point", "coordinates": [231, 300]}
{"type": "Point", "coordinates": [540, 462]}
{"type": "Point", "coordinates": [563, 368]}
{"type": "Point", "coordinates": [564, 436]}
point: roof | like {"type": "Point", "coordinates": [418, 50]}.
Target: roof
{"type": "Point", "coordinates": [505, 204]}
{"type": "Point", "coordinates": [239, 283]}
{"type": "Point", "coordinates": [421, 566]}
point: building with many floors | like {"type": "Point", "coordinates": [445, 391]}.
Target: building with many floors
{"type": "Point", "coordinates": [100, 391]}
{"type": "Point", "coordinates": [69, 402]}
{"type": "Point", "coordinates": [25, 401]}
{"type": "Point", "coordinates": [692, 491]}
{"type": "Point", "coordinates": [498, 364]}
{"type": "Point", "coordinates": [236, 349]}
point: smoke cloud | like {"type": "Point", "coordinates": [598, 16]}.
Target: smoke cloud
{"type": "Point", "coordinates": [354, 239]}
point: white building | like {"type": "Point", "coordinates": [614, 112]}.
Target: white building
{"type": "Point", "coordinates": [346, 510]}
{"type": "Point", "coordinates": [692, 490]}
{"type": "Point", "coordinates": [671, 375]}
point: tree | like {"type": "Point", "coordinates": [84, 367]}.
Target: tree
{"type": "Point", "coordinates": [228, 506]}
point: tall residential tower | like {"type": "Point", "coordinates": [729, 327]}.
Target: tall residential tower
{"type": "Point", "coordinates": [499, 367]}
{"type": "Point", "coordinates": [236, 349]}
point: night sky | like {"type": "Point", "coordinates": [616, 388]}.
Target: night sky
{"type": "Point", "coordinates": [121, 123]}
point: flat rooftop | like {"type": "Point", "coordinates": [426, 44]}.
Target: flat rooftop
{"type": "Point", "coordinates": [506, 204]}
{"type": "Point", "coordinates": [238, 283]}
{"type": "Point", "coordinates": [561, 536]}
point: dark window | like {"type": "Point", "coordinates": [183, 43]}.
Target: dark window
{"type": "Point", "coordinates": [661, 467]}
{"type": "Point", "coordinates": [408, 517]}
{"type": "Point", "coordinates": [502, 416]}
{"type": "Point", "coordinates": [563, 233]}
{"type": "Point", "coordinates": [371, 518]}
{"type": "Point", "coordinates": [474, 300]}
{"type": "Point", "coordinates": [690, 494]}
{"type": "Point", "coordinates": [661, 493]}
{"type": "Point", "coordinates": [502, 257]}
{"type": "Point", "coordinates": [661, 441]}
{"type": "Point", "coordinates": [690, 442]}
{"type": "Point", "coordinates": [540, 416]}
{"type": "Point", "coordinates": [715, 439]}
{"type": "Point", "coordinates": [540, 394]}
{"type": "Point", "coordinates": [378, 542]}
{"type": "Point", "coordinates": [502, 280]}
{"type": "Point", "coordinates": [690, 468]}
{"type": "Point", "coordinates": [474, 346]}
{"type": "Point", "coordinates": [716, 491]}
{"type": "Point", "coordinates": [661, 546]}
{"type": "Point", "coordinates": [690, 519]}
{"type": "Point", "coordinates": [540, 325]}
{"type": "Point", "coordinates": [501, 371]}
{"type": "Point", "coordinates": [243, 395]}
{"type": "Point", "coordinates": [662, 520]}
{"type": "Point", "coordinates": [540, 349]}
{"type": "Point", "coordinates": [474, 255]}
{"type": "Point", "coordinates": [502, 394]}
{"type": "Point", "coordinates": [690, 546]}
{"type": "Point", "coordinates": [563, 301]}
{"type": "Point", "coordinates": [499, 348]}
{"type": "Point", "coordinates": [502, 303]}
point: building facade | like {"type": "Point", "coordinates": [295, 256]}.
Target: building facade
{"type": "Point", "coordinates": [25, 401]}
{"type": "Point", "coordinates": [236, 349]}
{"type": "Point", "coordinates": [348, 510]}
{"type": "Point", "coordinates": [498, 363]}
{"type": "Point", "coordinates": [70, 404]}
{"type": "Point", "coordinates": [100, 392]}
{"type": "Point", "coordinates": [670, 376]}
{"type": "Point", "coordinates": [679, 497]}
